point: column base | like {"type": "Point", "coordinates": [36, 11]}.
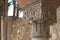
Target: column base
{"type": "Point", "coordinates": [40, 38]}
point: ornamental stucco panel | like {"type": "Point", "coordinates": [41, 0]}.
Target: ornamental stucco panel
{"type": "Point", "coordinates": [33, 12]}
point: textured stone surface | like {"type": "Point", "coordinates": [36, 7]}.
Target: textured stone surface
{"type": "Point", "coordinates": [33, 12]}
{"type": "Point", "coordinates": [58, 21]}
{"type": "Point", "coordinates": [21, 30]}
{"type": "Point", "coordinates": [39, 39]}
{"type": "Point", "coordinates": [51, 19]}
{"type": "Point", "coordinates": [55, 28]}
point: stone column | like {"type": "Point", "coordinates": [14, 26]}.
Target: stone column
{"type": "Point", "coordinates": [37, 13]}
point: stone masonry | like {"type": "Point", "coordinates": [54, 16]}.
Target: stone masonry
{"type": "Point", "coordinates": [45, 20]}
{"type": "Point", "coordinates": [33, 14]}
